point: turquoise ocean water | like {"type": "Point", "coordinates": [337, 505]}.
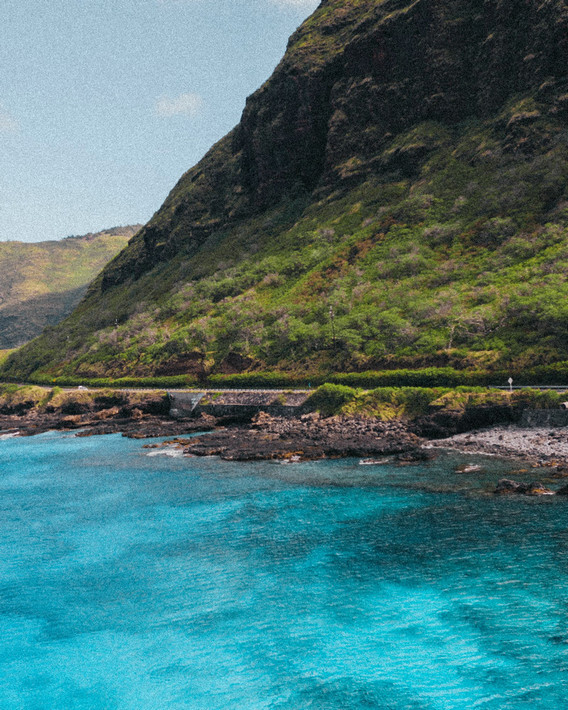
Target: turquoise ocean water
{"type": "Point", "coordinates": [138, 582]}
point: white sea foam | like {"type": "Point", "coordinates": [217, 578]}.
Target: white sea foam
{"type": "Point", "coordinates": [373, 462]}
{"type": "Point", "coordinates": [173, 452]}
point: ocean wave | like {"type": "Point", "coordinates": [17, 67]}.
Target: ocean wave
{"type": "Point", "coordinates": [173, 452]}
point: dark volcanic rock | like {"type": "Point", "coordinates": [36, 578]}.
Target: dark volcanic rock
{"type": "Point", "coordinates": [355, 75]}
{"type": "Point", "coordinates": [415, 455]}
{"type": "Point", "coordinates": [440, 425]}
{"type": "Point", "coordinates": [535, 488]}
{"type": "Point", "coordinates": [146, 419]}
{"type": "Point", "coordinates": [310, 437]}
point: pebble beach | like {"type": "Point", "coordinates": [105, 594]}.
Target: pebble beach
{"type": "Point", "coordinates": [535, 445]}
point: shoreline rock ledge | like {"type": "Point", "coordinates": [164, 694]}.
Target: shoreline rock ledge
{"type": "Point", "coordinates": [506, 486]}
{"type": "Point", "coordinates": [309, 437]}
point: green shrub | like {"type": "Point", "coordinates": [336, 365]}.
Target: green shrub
{"type": "Point", "coordinates": [165, 382]}
{"type": "Point", "coordinates": [18, 400]}
{"type": "Point", "coordinates": [329, 399]}
{"type": "Point", "coordinates": [536, 399]}
{"type": "Point", "coordinates": [395, 402]}
{"type": "Point", "coordinates": [259, 380]}
{"type": "Point", "coordinates": [428, 377]}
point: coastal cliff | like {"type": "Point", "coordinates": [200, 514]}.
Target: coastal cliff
{"type": "Point", "coordinates": [394, 195]}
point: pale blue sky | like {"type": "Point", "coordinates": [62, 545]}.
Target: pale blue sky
{"type": "Point", "coordinates": [105, 103]}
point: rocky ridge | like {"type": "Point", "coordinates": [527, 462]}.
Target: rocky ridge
{"type": "Point", "coordinates": [309, 437]}
{"type": "Point", "coordinates": [387, 97]}
{"type": "Point", "coordinates": [356, 75]}
{"type": "Point", "coordinates": [43, 281]}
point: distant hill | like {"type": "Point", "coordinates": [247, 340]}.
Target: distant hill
{"type": "Point", "coordinates": [395, 195]}
{"type": "Point", "coordinates": [41, 282]}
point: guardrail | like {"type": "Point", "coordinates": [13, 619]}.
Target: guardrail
{"type": "Point", "coordinates": [556, 388]}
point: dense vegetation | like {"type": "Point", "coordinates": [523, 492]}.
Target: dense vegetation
{"type": "Point", "coordinates": [42, 282]}
{"type": "Point", "coordinates": [409, 402]}
{"type": "Point", "coordinates": [19, 400]}
{"type": "Point", "coordinates": [383, 403]}
{"type": "Point", "coordinates": [395, 197]}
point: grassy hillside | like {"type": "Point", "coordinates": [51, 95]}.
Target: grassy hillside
{"type": "Point", "coordinates": [394, 196]}
{"type": "Point", "coordinates": [43, 281]}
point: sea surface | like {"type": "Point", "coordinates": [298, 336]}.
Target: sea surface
{"type": "Point", "coordinates": [132, 581]}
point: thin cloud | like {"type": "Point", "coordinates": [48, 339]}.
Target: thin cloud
{"type": "Point", "coordinates": [182, 105]}
{"type": "Point", "coordinates": [7, 123]}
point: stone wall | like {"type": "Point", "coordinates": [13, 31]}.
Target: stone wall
{"type": "Point", "coordinates": [242, 405]}
{"type": "Point", "coordinates": [544, 417]}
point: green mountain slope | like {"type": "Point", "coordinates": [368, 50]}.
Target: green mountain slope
{"type": "Point", "coordinates": [42, 282]}
{"type": "Point", "coordinates": [394, 195]}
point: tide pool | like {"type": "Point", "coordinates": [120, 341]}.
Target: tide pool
{"type": "Point", "coordinates": [131, 581]}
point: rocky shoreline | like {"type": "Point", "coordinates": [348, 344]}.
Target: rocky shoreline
{"type": "Point", "coordinates": [306, 437]}
{"type": "Point", "coordinates": [309, 437]}
{"type": "Point", "coordinates": [143, 426]}
{"type": "Point", "coordinates": [539, 446]}
{"type": "Point", "coordinates": [133, 414]}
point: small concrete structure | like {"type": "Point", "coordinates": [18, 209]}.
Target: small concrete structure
{"type": "Point", "coordinates": [242, 405]}
{"type": "Point", "coordinates": [183, 405]}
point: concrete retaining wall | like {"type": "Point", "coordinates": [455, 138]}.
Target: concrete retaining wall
{"type": "Point", "coordinates": [544, 417]}
{"type": "Point", "coordinates": [234, 404]}
{"type": "Point", "coordinates": [246, 411]}
{"type": "Point", "coordinates": [183, 404]}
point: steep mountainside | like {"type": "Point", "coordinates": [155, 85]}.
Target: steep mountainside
{"type": "Point", "coordinates": [395, 194]}
{"type": "Point", "coordinates": [42, 282]}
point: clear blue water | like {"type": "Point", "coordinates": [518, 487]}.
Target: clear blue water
{"type": "Point", "coordinates": [140, 582]}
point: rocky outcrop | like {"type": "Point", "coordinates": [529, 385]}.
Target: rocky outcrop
{"type": "Point", "coordinates": [535, 488]}
{"type": "Point", "coordinates": [309, 437]}
{"type": "Point", "coordinates": [448, 422]}
{"type": "Point", "coordinates": [355, 76]}
{"type": "Point", "coordinates": [97, 412]}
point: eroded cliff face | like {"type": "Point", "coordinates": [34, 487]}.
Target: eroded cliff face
{"type": "Point", "coordinates": [355, 76]}
{"type": "Point", "coordinates": [394, 195]}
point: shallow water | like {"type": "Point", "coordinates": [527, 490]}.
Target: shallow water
{"type": "Point", "coordinates": [138, 582]}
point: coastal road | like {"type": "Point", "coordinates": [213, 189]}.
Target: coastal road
{"type": "Point", "coordinates": [227, 390]}
{"type": "Point", "coordinates": [556, 388]}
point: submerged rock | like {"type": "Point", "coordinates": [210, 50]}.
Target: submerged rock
{"type": "Point", "coordinates": [506, 486]}
{"type": "Point", "coordinates": [538, 489]}
{"type": "Point", "coordinates": [416, 455]}
{"type": "Point", "coordinates": [468, 468]}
